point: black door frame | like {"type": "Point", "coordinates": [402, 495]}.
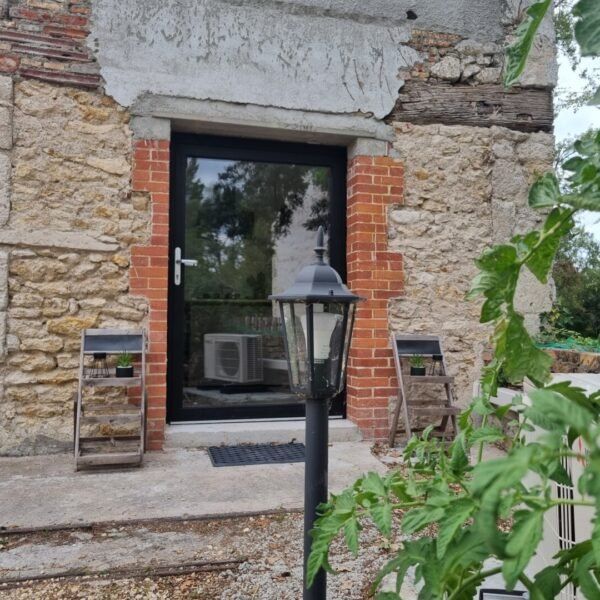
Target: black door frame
{"type": "Point", "coordinates": [211, 147]}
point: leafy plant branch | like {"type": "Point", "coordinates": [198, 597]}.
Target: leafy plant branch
{"type": "Point", "coordinates": [455, 516]}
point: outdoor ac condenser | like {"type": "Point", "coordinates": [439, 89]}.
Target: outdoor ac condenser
{"type": "Point", "coordinates": [232, 357]}
{"type": "Point", "coordinates": [564, 526]}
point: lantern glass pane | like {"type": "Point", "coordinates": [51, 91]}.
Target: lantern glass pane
{"type": "Point", "coordinates": [328, 337]}
{"type": "Point", "coordinates": [295, 340]}
{"type": "Point", "coordinates": [350, 309]}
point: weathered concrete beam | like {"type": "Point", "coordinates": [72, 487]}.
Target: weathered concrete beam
{"type": "Point", "coordinates": [69, 240]}
{"type": "Point", "coordinates": [249, 120]}
{"type": "Point", "coordinates": [522, 109]}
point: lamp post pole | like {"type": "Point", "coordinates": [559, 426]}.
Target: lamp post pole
{"type": "Point", "coordinates": [315, 483]}
{"type": "Point", "coordinates": [317, 316]}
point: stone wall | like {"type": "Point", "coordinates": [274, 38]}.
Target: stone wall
{"type": "Point", "coordinates": [465, 187]}
{"type": "Point", "coordinates": [575, 361]}
{"type": "Point", "coordinates": [84, 207]}
{"type": "Point", "coordinates": [71, 186]}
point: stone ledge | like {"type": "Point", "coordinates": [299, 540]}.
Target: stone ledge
{"type": "Point", "coordinates": [69, 240]}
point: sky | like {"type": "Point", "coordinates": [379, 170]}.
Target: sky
{"type": "Point", "coordinates": [569, 123]}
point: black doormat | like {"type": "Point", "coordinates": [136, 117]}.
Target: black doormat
{"type": "Point", "coordinates": [258, 454]}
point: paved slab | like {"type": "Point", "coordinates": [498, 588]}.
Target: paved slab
{"type": "Point", "coordinates": [45, 491]}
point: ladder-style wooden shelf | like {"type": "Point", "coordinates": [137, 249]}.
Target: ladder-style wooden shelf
{"type": "Point", "coordinates": [441, 410]}
{"type": "Point", "coordinates": [110, 450]}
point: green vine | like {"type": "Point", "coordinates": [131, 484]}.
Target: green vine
{"type": "Point", "coordinates": [466, 500]}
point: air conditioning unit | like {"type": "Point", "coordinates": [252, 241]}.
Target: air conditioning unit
{"type": "Point", "coordinates": [565, 526]}
{"type": "Point", "coordinates": [232, 357]}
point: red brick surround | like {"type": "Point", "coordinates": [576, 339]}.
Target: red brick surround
{"type": "Point", "coordinates": [374, 183]}
{"type": "Point", "coordinates": [150, 274]}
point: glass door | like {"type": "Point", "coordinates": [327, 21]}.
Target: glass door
{"type": "Point", "coordinates": [244, 217]}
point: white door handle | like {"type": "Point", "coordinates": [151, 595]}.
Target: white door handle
{"type": "Point", "coordinates": [186, 262]}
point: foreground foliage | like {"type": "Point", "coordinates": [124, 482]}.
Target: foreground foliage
{"type": "Point", "coordinates": [442, 488]}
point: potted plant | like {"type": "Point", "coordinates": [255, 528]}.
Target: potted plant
{"type": "Point", "coordinates": [417, 365]}
{"type": "Point", "coordinates": [125, 365]}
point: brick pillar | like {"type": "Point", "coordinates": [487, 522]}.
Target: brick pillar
{"type": "Point", "coordinates": [374, 183]}
{"type": "Point", "coordinates": [149, 276]}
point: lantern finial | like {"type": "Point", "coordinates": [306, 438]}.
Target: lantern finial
{"type": "Point", "coordinates": [320, 249]}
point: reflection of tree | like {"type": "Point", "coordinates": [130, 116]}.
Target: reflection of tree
{"type": "Point", "coordinates": [231, 228]}
{"type": "Point", "coordinates": [319, 211]}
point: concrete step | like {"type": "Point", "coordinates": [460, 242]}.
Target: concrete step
{"type": "Point", "coordinates": [201, 435]}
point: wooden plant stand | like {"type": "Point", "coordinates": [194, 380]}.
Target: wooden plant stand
{"type": "Point", "coordinates": [110, 450]}
{"type": "Point", "coordinates": [404, 347]}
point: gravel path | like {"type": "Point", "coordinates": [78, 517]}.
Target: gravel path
{"type": "Point", "coordinates": [271, 547]}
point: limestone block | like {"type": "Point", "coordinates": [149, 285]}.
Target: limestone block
{"type": "Point", "coordinates": [2, 334]}
{"type": "Point", "coordinates": [5, 187]}
{"type": "Point", "coordinates": [36, 361]}
{"type": "Point", "coordinates": [12, 343]}
{"type": "Point", "coordinates": [6, 89]}
{"type": "Point", "coordinates": [470, 71]}
{"type": "Point", "coordinates": [67, 361]}
{"type": "Point", "coordinates": [448, 69]}
{"type": "Point", "coordinates": [532, 297]}
{"type": "Point", "coordinates": [44, 344]}
{"type": "Point", "coordinates": [503, 218]}
{"type": "Point", "coordinates": [51, 239]}
{"type": "Point", "coordinates": [489, 75]}
{"type": "Point", "coordinates": [55, 377]}
{"type": "Point", "coordinates": [71, 326]}
{"type": "Point", "coordinates": [28, 300]}
{"type": "Point", "coordinates": [538, 148]}
{"type": "Point", "coordinates": [3, 280]}
{"type": "Point", "coordinates": [509, 182]}
{"type": "Point", "coordinates": [6, 128]}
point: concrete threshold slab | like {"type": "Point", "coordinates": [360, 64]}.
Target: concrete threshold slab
{"type": "Point", "coordinates": [44, 491]}
{"type": "Point", "coordinates": [202, 435]}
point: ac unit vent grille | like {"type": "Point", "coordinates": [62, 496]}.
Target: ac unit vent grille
{"type": "Point", "coordinates": [235, 358]}
{"type": "Point", "coordinates": [228, 358]}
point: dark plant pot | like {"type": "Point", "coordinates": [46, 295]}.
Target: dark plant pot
{"type": "Point", "coordinates": [125, 371]}
{"type": "Point", "coordinates": [418, 371]}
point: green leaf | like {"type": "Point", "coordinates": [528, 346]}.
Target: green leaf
{"type": "Point", "coordinates": [455, 516]}
{"type": "Point", "coordinates": [399, 565]}
{"type": "Point", "coordinates": [574, 164]}
{"type": "Point", "coordinates": [560, 410]}
{"type": "Point", "coordinates": [417, 518]}
{"type": "Point", "coordinates": [491, 476]}
{"type": "Point", "coordinates": [522, 543]}
{"type": "Point", "coordinates": [522, 358]}
{"type": "Point", "coordinates": [548, 583]}
{"type": "Point", "coordinates": [558, 224]}
{"type": "Point", "coordinates": [517, 53]}
{"type": "Point", "coordinates": [351, 529]}
{"type": "Point", "coordinates": [487, 435]}
{"type": "Point", "coordinates": [585, 578]}
{"type": "Point", "coordinates": [373, 482]}
{"type": "Point", "coordinates": [587, 28]}
{"type": "Point", "coordinates": [544, 192]}
{"type": "Point", "coordinates": [559, 474]}
{"type": "Point", "coordinates": [596, 536]}
{"type": "Point", "coordinates": [595, 100]}
{"type": "Point", "coordinates": [382, 517]}
{"type": "Point", "coordinates": [459, 460]}
{"type": "Point", "coordinates": [387, 596]}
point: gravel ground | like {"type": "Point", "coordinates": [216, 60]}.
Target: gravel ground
{"type": "Point", "coordinates": [270, 546]}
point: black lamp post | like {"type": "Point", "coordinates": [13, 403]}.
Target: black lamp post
{"type": "Point", "coordinates": [317, 315]}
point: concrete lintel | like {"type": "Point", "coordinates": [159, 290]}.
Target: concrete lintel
{"type": "Point", "coordinates": [69, 240]}
{"type": "Point", "coordinates": [368, 147]}
{"type": "Point", "coordinates": [151, 128]}
{"type": "Point", "coordinates": [249, 120]}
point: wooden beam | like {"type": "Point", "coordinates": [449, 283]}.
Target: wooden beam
{"type": "Point", "coordinates": [523, 109]}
